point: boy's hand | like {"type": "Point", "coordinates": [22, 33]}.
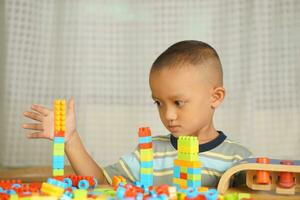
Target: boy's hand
{"type": "Point", "coordinates": [44, 128]}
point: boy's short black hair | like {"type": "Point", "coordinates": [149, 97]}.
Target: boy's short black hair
{"type": "Point", "coordinates": [191, 52]}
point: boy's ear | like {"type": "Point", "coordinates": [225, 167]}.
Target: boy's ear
{"type": "Point", "coordinates": [217, 96]}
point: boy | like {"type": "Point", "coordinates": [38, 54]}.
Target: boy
{"type": "Point", "coordinates": [187, 86]}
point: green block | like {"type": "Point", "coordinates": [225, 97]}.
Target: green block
{"type": "Point", "coordinates": [231, 196]}
{"type": "Point", "coordinates": [58, 152]}
{"type": "Point", "coordinates": [183, 169]}
{"type": "Point", "coordinates": [243, 195]}
{"type": "Point", "coordinates": [58, 172]}
{"type": "Point", "coordinates": [146, 170]}
{"type": "Point", "coordinates": [194, 177]}
{"type": "Point", "coordinates": [188, 156]}
{"type": "Point", "coordinates": [59, 146]}
{"type": "Point", "coordinates": [106, 191]}
{"type": "Point", "coordinates": [14, 197]}
{"type": "Point", "coordinates": [80, 194]}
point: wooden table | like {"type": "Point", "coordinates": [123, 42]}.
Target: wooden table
{"type": "Point", "coordinates": [40, 174]}
{"type": "Point", "coordinates": [263, 195]}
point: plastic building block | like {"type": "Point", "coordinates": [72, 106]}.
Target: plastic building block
{"type": "Point", "coordinates": [52, 190]}
{"type": "Point", "coordinates": [183, 163]}
{"type": "Point", "coordinates": [263, 177]}
{"type": "Point", "coordinates": [187, 167]}
{"type": "Point", "coordinates": [117, 180]}
{"type": "Point", "coordinates": [144, 131]}
{"type": "Point", "coordinates": [58, 140]}
{"type": "Point", "coordinates": [146, 157]}
{"type": "Point", "coordinates": [286, 179]}
{"type": "Point", "coordinates": [80, 194]}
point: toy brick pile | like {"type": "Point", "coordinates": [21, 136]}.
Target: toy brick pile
{"type": "Point", "coordinates": [85, 188]}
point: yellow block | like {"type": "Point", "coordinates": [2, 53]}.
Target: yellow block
{"type": "Point", "coordinates": [52, 189]}
{"type": "Point", "coordinates": [146, 154]}
{"type": "Point", "coordinates": [203, 189]}
{"type": "Point", "coordinates": [190, 164]}
{"type": "Point", "coordinates": [181, 182]}
{"type": "Point", "coordinates": [146, 170]}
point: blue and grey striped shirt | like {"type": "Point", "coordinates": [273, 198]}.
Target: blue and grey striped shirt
{"type": "Point", "coordinates": [216, 157]}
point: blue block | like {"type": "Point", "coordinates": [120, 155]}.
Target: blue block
{"type": "Point", "coordinates": [145, 139]}
{"type": "Point", "coordinates": [146, 179]}
{"type": "Point", "coordinates": [59, 140]}
{"type": "Point", "coordinates": [194, 170]}
{"type": "Point", "coordinates": [147, 164]}
{"type": "Point", "coordinates": [212, 194]}
{"type": "Point", "coordinates": [176, 171]}
{"type": "Point", "coordinates": [57, 183]}
{"type": "Point", "coordinates": [193, 183]}
{"type": "Point", "coordinates": [58, 162]}
{"type": "Point", "coordinates": [58, 165]}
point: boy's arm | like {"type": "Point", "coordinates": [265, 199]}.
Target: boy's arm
{"type": "Point", "coordinates": [82, 163]}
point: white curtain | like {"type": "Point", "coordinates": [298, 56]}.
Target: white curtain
{"type": "Point", "coordinates": [100, 52]}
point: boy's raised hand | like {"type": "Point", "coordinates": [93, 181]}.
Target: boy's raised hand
{"type": "Point", "coordinates": [44, 122]}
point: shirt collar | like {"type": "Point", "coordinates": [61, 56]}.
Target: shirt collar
{"type": "Point", "coordinates": [205, 146]}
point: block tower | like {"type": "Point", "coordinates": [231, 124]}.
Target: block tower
{"type": "Point", "coordinates": [59, 137]}
{"type": "Point", "coordinates": [146, 157]}
{"type": "Point", "coordinates": [187, 167]}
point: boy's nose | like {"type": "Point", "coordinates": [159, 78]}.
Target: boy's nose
{"type": "Point", "coordinates": [170, 114]}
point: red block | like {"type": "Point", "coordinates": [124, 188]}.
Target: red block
{"type": "Point", "coordinates": [144, 131]}
{"type": "Point", "coordinates": [59, 133]}
{"type": "Point", "coordinates": [146, 145]}
{"type": "Point", "coordinates": [183, 175]}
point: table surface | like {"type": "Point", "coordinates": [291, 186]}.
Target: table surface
{"type": "Point", "coordinates": [263, 195]}
{"type": "Point", "coordinates": [40, 174]}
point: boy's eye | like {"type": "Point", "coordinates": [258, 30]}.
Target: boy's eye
{"type": "Point", "coordinates": [157, 103]}
{"type": "Point", "coordinates": [179, 103]}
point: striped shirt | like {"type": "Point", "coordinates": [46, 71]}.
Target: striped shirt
{"type": "Point", "coordinates": [216, 157]}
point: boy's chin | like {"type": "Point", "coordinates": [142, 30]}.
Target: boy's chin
{"type": "Point", "coordinates": [179, 134]}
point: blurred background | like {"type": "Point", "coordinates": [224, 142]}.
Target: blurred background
{"type": "Point", "coordinates": [100, 52]}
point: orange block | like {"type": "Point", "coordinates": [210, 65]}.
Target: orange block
{"type": "Point", "coordinates": [144, 131]}
{"type": "Point", "coordinates": [184, 163]}
{"type": "Point", "coordinates": [59, 133]}
{"type": "Point", "coordinates": [146, 145]}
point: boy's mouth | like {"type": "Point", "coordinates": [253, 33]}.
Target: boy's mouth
{"type": "Point", "coordinates": [174, 128]}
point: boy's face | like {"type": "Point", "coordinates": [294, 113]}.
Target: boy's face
{"type": "Point", "coordinates": [183, 98]}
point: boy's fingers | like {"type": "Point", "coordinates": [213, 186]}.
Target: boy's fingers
{"type": "Point", "coordinates": [71, 104]}
{"type": "Point", "coordinates": [33, 115]}
{"type": "Point", "coordinates": [34, 135]}
{"type": "Point", "coordinates": [33, 126]}
{"type": "Point", "coordinates": [40, 109]}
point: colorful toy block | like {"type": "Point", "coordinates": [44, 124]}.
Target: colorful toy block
{"type": "Point", "coordinates": [187, 167]}
{"type": "Point", "coordinates": [58, 140]}
{"type": "Point", "coordinates": [52, 190]}
{"type": "Point", "coordinates": [146, 157]}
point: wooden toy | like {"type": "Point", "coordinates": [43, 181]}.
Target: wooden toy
{"type": "Point", "coordinates": [280, 176]}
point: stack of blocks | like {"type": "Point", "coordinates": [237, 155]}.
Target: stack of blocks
{"type": "Point", "coordinates": [59, 140]}
{"type": "Point", "coordinates": [187, 167]}
{"type": "Point", "coordinates": [146, 157]}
